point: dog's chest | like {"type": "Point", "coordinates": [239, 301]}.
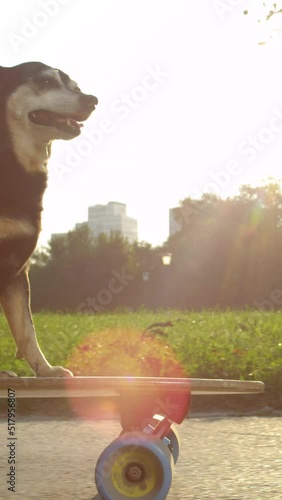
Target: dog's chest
{"type": "Point", "coordinates": [20, 195]}
{"type": "Point", "coordinates": [20, 217]}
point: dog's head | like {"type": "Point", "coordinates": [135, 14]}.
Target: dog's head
{"type": "Point", "coordinates": [43, 102]}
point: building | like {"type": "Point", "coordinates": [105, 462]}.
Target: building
{"type": "Point", "coordinates": [174, 225]}
{"type": "Point", "coordinates": [112, 218]}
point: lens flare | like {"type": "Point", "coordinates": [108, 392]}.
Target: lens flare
{"type": "Point", "coordinates": [119, 352]}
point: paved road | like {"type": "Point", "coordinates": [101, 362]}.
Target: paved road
{"type": "Point", "coordinates": [221, 458]}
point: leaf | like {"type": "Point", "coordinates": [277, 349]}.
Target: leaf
{"type": "Point", "coordinates": [271, 12]}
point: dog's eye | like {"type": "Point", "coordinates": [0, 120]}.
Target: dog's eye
{"type": "Point", "coordinates": [46, 82]}
{"type": "Point", "coordinates": [50, 82]}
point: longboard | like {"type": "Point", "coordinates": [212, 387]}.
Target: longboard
{"type": "Point", "coordinates": [31, 387]}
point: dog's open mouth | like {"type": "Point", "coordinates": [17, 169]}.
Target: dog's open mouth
{"type": "Point", "coordinates": [67, 123]}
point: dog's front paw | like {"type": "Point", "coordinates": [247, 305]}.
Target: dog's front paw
{"type": "Point", "coordinates": [59, 371]}
{"type": "Point", "coordinates": [54, 371]}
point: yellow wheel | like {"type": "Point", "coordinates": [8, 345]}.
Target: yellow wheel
{"type": "Point", "coordinates": [135, 465]}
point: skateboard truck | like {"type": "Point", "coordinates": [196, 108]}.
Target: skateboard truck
{"type": "Point", "coordinates": [137, 411]}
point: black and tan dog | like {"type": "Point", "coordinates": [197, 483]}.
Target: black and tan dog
{"type": "Point", "coordinates": [37, 105]}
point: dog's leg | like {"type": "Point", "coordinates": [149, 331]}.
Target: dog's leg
{"type": "Point", "coordinates": [15, 303]}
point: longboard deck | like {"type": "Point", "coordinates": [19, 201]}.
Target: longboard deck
{"type": "Point", "coordinates": [31, 387]}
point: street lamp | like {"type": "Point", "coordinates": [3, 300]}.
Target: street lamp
{"type": "Point", "coordinates": [145, 276]}
{"type": "Point", "coordinates": [166, 258]}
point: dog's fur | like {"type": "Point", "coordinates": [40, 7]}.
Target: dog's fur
{"type": "Point", "coordinates": [37, 105]}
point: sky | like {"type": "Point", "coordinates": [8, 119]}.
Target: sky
{"type": "Point", "coordinates": [189, 101]}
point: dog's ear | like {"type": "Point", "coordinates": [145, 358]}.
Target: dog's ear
{"type": "Point", "coordinates": [8, 80]}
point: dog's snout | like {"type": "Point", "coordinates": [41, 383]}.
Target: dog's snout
{"type": "Point", "coordinates": [90, 101]}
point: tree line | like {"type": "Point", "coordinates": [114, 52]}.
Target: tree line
{"type": "Point", "coordinates": [226, 254]}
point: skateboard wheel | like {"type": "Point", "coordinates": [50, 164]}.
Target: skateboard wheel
{"type": "Point", "coordinates": [135, 465]}
{"type": "Point", "coordinates": [174, 438]}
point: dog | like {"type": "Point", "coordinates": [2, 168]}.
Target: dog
{"type": "Point", "coordinates": [38, 104]}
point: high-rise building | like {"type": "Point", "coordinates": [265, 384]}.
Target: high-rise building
{"type": "Point", "coordinates": [174, 224]}
{"type": "Point", "coordinates": [112, 218]}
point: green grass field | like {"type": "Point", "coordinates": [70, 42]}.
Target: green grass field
{"type": "Point", "coordinates": [209, 344]}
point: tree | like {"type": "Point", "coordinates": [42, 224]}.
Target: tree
{"type": "Point", "coordinates": [228, 252]}
{"type": "Point", "coordinates": [77, 267]}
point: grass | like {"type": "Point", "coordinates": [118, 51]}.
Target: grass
{"type": "Point", "coordinates": [208, 344]}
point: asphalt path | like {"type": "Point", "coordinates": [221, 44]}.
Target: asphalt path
{"type": "Point", "coordinates": [221, 458]}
